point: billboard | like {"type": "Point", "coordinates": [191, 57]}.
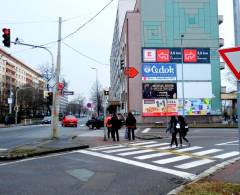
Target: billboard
{"type": "Point", "coordinates": [158, 71]}
{"type": "Point", "coordinates": [159, 90]}
{"type": "Point", "coordinates": [176, 55]}
{"type": "Point", "coordinates": [159, 107]}
{"type": "Point", "coordinates": [195, 106]}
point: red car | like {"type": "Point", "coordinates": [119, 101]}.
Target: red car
{"type": "Point", "coordinates": [69, 120]}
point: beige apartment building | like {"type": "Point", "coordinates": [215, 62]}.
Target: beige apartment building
{"type": "Point", "coordinates": [15, 74]}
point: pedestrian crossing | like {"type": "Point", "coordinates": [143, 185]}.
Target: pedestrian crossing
{"type": "Point", "coordinates": [155, 155]}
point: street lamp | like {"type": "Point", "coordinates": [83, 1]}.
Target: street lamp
{"type": "Point", "coordinates": [16, 102]}
{"type": "Point", "coordinates": [183, 98]}
{"type": "Point", "coordinates": [97, 102]}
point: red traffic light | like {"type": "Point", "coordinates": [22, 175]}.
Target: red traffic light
{"type": "Point", "coordinates": [6, 31]}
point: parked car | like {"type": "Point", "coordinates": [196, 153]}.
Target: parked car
{"type": "Point", "coordinates": [95, 123]}
{"type": "Point", "coordinates": [46, 120]}
{"type": "Point", "coordinates": [69, 121]}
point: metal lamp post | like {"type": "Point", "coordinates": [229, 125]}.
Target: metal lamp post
{"type": "Point", "coordinates": [183, 97]}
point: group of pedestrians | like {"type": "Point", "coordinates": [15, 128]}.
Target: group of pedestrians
{"type": "Point", "coordinates": [178, 126]}
{"type": "Point", "coordinates": [113, 124]}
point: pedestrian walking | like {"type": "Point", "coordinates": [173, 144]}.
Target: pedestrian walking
{"type": "Point", "coordinates": [173, 129]}
{"type": "Point", "coordinates": [131, 126]}
{"type": "Point", "coordinates": [108, 125]}
{"type": "Point", "coordinates": [115, 122]}
{"type": "Point", "coordinates": [183, 130]}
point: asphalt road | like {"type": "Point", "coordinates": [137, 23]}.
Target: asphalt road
{"type": "Point", "coordinates": [120, 168]}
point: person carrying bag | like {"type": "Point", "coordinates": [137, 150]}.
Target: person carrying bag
{"type": "Point", "coordinates": [131, 126]}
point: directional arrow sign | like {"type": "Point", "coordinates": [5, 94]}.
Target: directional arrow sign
{"type": "Point", "coordinates": [131, 72]}
{"type": "Point", "coordinates": [232, 58]}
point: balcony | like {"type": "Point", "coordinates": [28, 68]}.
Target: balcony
{"type": "Point", "coordinates": [221, 42]}
{"type": "Point", "coordinates": [220, 19]}
{"type": "Point", "coordinates": [222, 65]}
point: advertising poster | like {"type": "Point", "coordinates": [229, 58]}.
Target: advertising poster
{"type": "Point", "coordinates": [195, 106]}
{"type": "Point", "coordinates": [158, 71]}
{"type": "Point", "coordinates": [160, 107]}
{"type": "Point", "coordinates": [159, 91]}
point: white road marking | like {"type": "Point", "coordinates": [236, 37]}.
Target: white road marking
{"type": "Point", "coordinates": [164, 148]}
{"type": "Point", "coordinates": [189, 149]}
{"type": "Point", "coordinates": [173, 159]}
{"type": "Point", "coordinates": [154, 145]}
{"type": "Point", "coordinates": [152, 155]}
{"type": "Point", "coordinates": [120, 150]}
{"type": "Point", "coordinates": [144, 143]}
{"type": "Point", "coordinates": [194, 164]}
{"type": "Point", "coordinates": [182, 174]}
{"type": "Point", "coordinates": [228, 143]}
{"type": "Point", "coordinates": [146, 130]}
{"type": "Point", "coordinates": [207, 152]}
{"type": "Point", "coordinates": [227, 155]}
{"type": "Point", "coordinates": [3, 149]}
{"type": "Point", "coordinates": [107, 147]}
{"type": "Point", "coordinates": [135, 152]}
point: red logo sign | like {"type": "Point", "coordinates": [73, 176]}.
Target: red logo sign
{"type": "Point", "coordinates": [190, 55]}
{"type": "Point", "coordinates": [163, 55]}
{"type": "Point", "coordinates": [131, 72]}
{"type": "Point", "coordinates": [231, 56]}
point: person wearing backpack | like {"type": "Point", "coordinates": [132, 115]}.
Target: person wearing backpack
{"type": "Point", "coordinates": [131, 125]}
{"type": "Point", "coordinates": [173, 129]}
{"type": "Point", "coordinates": [183, 130]}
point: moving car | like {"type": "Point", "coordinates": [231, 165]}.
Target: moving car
{"type": "Point", "coordinates": [95, 123]}
{"type": "Point", "coordinates": [46, 120]}
{"type": "Point", "coordinates": [69, 121]}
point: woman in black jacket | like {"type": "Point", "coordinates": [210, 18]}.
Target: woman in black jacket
{"type": "Point", "coordinates": [131, 125]}
{"type": "Point", "coordinates": [183, 130]}
{"type": "Point", "coordinates": [172, 127]}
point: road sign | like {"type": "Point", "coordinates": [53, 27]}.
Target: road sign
{"type": "Point", "coordinates": [131, 72]}
{"type": "Point", "coordinates": [232, 58]}
{"type": "Point", "coordinates": [10, 101]}
{"type": "Point", "coordinates": [68, 92]}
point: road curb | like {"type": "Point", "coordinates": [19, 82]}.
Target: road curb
{"type": "Point", "coordinates": [10, 157]}
{"type": "Point", "coordinates": [206, 173]}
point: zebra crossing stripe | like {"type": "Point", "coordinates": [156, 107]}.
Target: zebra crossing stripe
{"type": "Point", "coordinates": [148, 156]}
{"type": "Point", "coordinates": [107, 147]}
{"type": "Point", "coordinates": [144, 143]}
{"type": "Point", "coordinates": [154, 145]}
{"type": "Point", "coordinates": [207, 152]}
{"type": "Point", "coordinates": [189, 149]}
{"type": "Point", "coordinates": [181, 174]}
{"type": "Point", "coordinates": [3, 149]}
{"type": "Point", "coordinates": [146, 130]}
{"type": "Point", "coordinates": [164, 148]}
{"type": "Point", "coordinates": [135, 152]}
{"type": "Point", "coordinates": [194, 164]}
{"type": "Point", "coordinates": [170, 160]}
{"type": "Point", "coordinates": [227, 155]}
{"type": "Point", "coordinates": [120, 150]}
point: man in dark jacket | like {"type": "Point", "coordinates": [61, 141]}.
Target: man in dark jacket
{"type": "Point", "coordinates": [116, 124]}
{"type": "Point", "coordinates": [131, 125]}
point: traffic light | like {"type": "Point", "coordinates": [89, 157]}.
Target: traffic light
{"type": "Point", "coordinates": [50, 98]}
{"type": "Point", "coordinates": [6, 37]}
{"type": "Point", "coordinates": [106, 92]}
{"type": "Point", "coordinates": [122, 64]}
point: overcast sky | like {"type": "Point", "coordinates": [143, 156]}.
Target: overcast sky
{"type": "Point", "coordinates": [35, 22]}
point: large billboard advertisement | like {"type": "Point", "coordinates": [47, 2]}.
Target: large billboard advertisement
{"type": "Point", "coordinates": [160, 107]}
{"type": "Point", "coordinates": [195, 106]}
{"type": "Point", "coordinates": [158, 71]}
{"type": "Point", "coordinates": [159, 90]}
{"type": "Point", "coordinates": [174, 55]}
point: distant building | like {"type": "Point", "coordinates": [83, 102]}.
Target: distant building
{"type": "Point", "coordinates": [174, 46]}
{"type": "Point", "coordinates": [14, 73]}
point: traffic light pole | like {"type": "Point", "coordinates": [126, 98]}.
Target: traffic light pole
{"type": "Point", "coordinates": [55, 106]}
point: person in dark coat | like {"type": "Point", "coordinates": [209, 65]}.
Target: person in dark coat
{"type": "Point", "coordinates": [131, 125]}
{"type": "Point", "coordinates": [116, 124]}
{"type": "Point", "coordinates": [172, 128]}
{"type": "Point", "coordinates": [183, 130]}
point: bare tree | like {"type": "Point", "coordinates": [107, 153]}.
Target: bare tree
{"type": "Point", "coordinates": [97, 97]}
{"type": "Point", "coordinates": [76, 106]}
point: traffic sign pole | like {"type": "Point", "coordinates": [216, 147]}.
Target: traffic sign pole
{"type": "Point", "coordinates": [238, 108]}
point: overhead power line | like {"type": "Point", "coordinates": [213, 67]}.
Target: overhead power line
{"type": "Point", "coordinates": [84, 55]}
{"type": "Point", "coordinates": [30, 22]}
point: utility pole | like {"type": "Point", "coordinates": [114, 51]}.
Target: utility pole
{"type": "Point", "coordinates": [55, 106]}
{"type": "Point", "coordinates": [236, 14]}
{"type": "Point", "coordinates": [10, 97]}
